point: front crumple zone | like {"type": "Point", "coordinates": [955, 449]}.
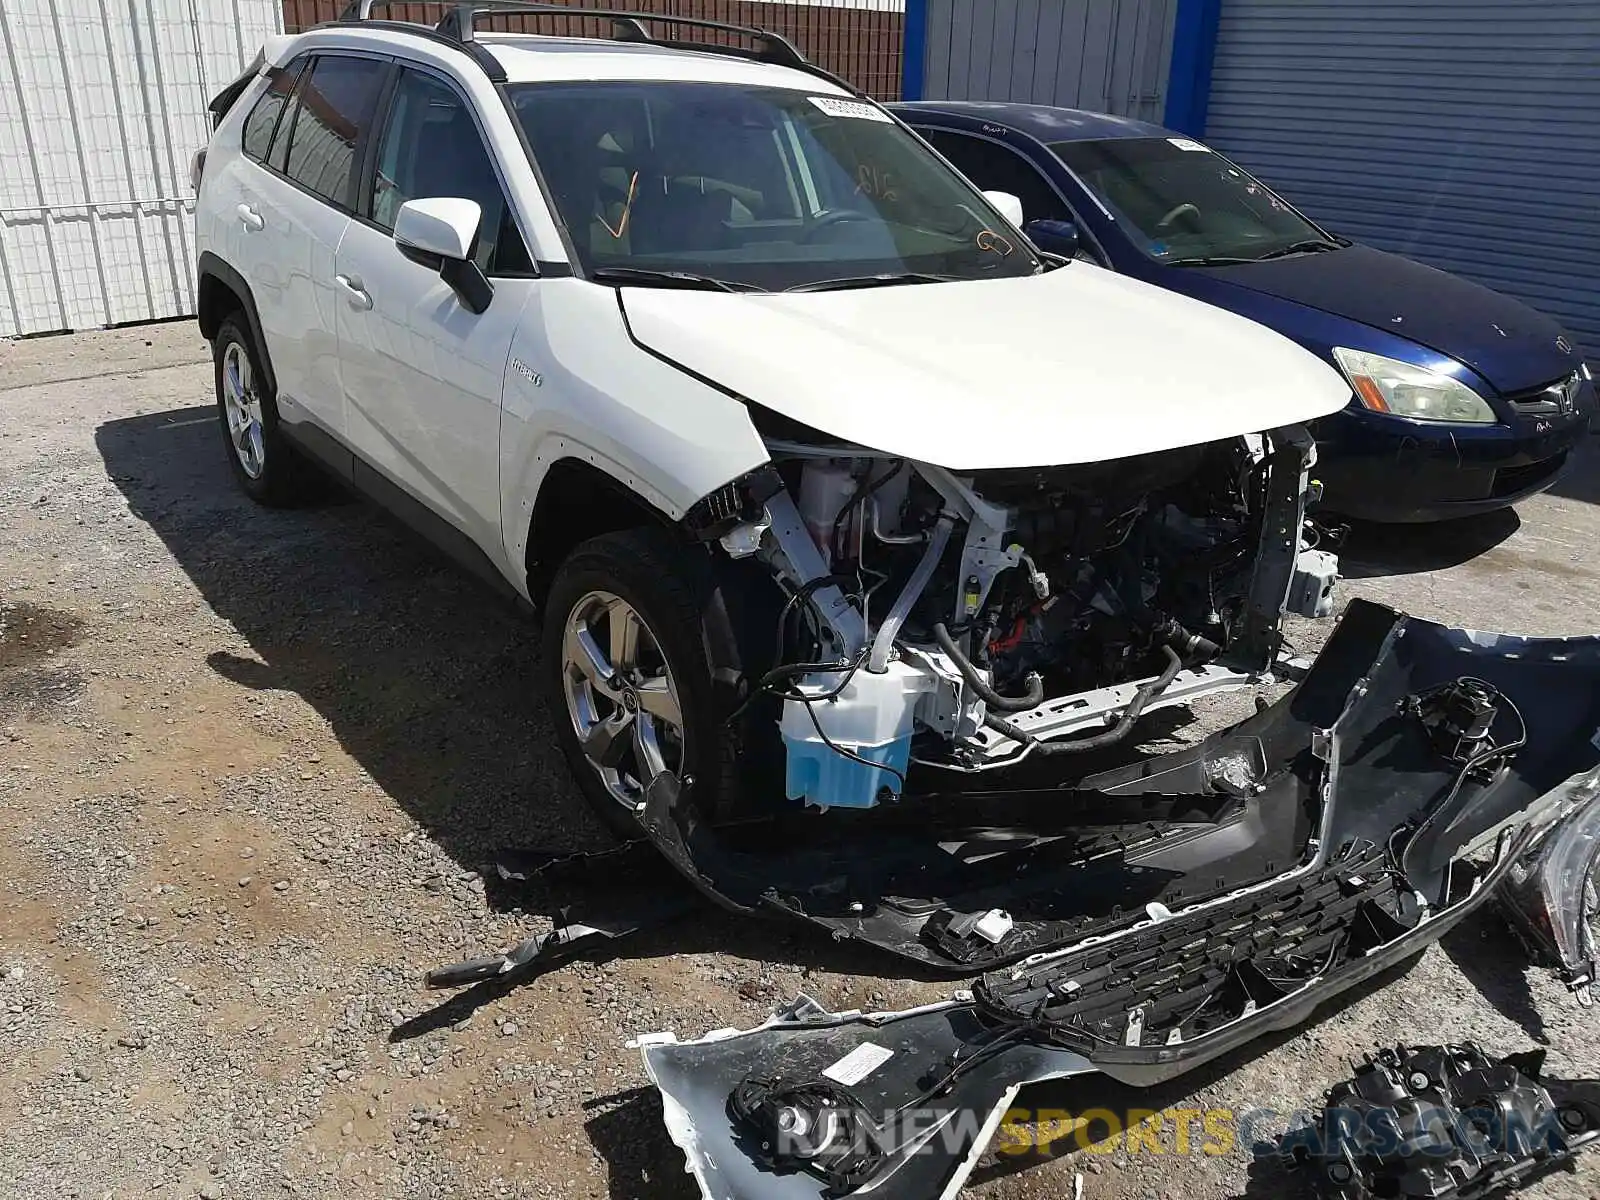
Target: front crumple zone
{"type": "Point", "coordinates": [942, 625]}
{"type": "Point", "coordinates": [1281, 862]}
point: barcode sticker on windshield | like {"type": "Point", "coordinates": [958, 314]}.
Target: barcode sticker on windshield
{"type": "Point", "coordinates": [858, 1064]}
{"type": "Point", "coordinates": [1187, 144]}
{"type": "Point", "coordinates": [836, 107]}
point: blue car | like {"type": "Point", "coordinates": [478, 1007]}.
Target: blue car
{"type": "Point", "coordinates": [1462, 400]}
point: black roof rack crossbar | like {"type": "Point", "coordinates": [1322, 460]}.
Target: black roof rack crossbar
{"type": "Point", "coordinates": [771, 47]}
{"type": "Point", "coordinates": [458, 28]}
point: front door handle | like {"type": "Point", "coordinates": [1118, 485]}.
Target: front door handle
{"type": "Point", "coordinates": [358, 296]}
{"type": "Point", "coordinates": [251, 219]}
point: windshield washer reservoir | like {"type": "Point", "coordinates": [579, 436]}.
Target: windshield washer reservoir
{"type": "Point", "coordinates": [871, 717]}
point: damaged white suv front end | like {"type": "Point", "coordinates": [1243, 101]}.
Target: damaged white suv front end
{"type": "Point", "coordinates": [994, 544]}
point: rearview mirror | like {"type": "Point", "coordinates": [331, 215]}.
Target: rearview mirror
{"type": "Point", "coordinates": [441, 233]}
{"type": "Point", "coordinates": [1056, 237]}
{"type": "Point", "coordinates": [1010, 206]}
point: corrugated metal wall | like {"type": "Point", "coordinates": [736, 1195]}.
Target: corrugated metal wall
{"type": "Point", "coordinates": [102, 103]}
{"type": "Point", "coordinates": [858, 39]}
{"type": "Point", "coordinates": [1107, 55]}
{"type": "Point", "coordinates": [1463, 133]}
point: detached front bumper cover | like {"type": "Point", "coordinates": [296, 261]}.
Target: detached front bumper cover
{"type": "Point", "coordinates": [1279, 864]}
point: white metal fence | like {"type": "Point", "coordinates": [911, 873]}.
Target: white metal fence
{"type": "Point", "coordinates": [102, 103]}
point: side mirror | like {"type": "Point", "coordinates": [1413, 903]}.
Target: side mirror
{"type": "Point", "coordinates": [1010, 206]}
{"type": "Point", "coordinates": [441, 233]}
{"type": "Point", "coordinates": [1057, 237]}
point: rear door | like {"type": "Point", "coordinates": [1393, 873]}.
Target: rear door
{"type": "Point", "coordinates": [423, 376]}
{"type": "Point", "coordinates": [294, 215]}
{"type": "Point", "coordinates": [237, 225]}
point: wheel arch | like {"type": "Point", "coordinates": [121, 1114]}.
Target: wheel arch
{"type": "Point", "coordinates": [577, 501]}
{"type": "Point", "coordinates": [221, 291]}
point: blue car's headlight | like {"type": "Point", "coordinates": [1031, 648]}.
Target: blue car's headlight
{"type": "Point", "coordinates": [1388, 386]}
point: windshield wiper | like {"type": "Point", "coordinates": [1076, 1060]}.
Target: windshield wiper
{"type": "Point", "coordinates": [887, 279]}
{"type": "Point", "coordinates": [643, 277]}
{"type": "Point", "coordinates": [1206, 260]}
{"type": "Point", "coordinates": [1309, 246]}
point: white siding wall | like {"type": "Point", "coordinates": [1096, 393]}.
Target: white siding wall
{"type": "Point", "coordinates": [102, 104]}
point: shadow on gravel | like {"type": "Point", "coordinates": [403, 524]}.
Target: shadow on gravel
{"type": "Point", "coordinates": [1495, 963]}
{"type": "Point", "coordinates": [625, 1130]}
{"type": "Point", "coordinates": [424, 675]}
{"type": "Point", "coordinates": [1373, 550]}
{"type": "Point", "coordinates": [1582, 480]}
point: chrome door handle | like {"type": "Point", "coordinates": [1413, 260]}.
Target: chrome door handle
{"type": "Point", "coordinates": [250, 218]}
{"type": "Point", "coordinates": [358, 296]}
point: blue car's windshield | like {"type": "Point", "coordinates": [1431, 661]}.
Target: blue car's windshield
{"type": "Point", "coordinates": [1182, 203]}
{"type": "Point", "coordinates": [754, 187]}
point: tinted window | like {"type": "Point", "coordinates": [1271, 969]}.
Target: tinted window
{"type": "Point", "coordinates": [332, 106]}
{"type": "Point", "coordinates": [996, 168]}
{"type": "Point", "coordinates": [263, 118]}
{"type": "Point", "coordinates": [763, 186]}
{"type": "Point", "coordinates": [431, 147]}
{"type": "Point", "coordinates": [1180, 202]}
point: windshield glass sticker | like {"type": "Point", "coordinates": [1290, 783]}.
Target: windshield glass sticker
{"type": "Point", "coordinates": [858, 1064]}
{"type": "Point", "coordinates": [1187, 144]}
{"type": "Point", "coordinates": [836, 107]}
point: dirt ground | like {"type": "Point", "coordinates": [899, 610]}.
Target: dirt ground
{"type": "Point", "coordinates": [251, 763]}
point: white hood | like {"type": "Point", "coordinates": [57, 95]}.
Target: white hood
{"type": "Point", "coordinates": [1079, 365]}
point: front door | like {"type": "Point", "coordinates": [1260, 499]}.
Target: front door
{"type": "Point", "coordinates": [422, 374]}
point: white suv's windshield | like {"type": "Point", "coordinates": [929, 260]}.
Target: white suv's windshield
{"type": "Point", "coordinates": [1186, 205]}
{"type": "Point", "coordinates": [754, 188]}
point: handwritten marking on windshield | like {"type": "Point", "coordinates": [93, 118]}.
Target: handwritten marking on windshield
{"type": "Point", "coordinates": [992, 242]}
{"type": "Point", "coordinates": [875, 184]}
{"type": "Point", "coordinates": [627, 210]}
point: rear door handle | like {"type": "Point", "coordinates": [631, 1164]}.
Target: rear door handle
{"type": "Point", "coordinates": [358, 296]}
{"type": "Point", "coordinates": [251, 219]}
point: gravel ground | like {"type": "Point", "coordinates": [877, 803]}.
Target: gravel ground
{"type": "Point", "coordinates": [252, 761]}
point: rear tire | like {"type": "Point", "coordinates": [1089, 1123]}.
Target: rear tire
{"type": "Point", "coordinates": [268, 467]}
{"type": "Point", "coordinates": [631, 699]}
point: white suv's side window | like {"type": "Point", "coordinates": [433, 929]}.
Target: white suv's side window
{"type": "Point", "coordinates": [330, 109]}
{"type": "Point", "coordinates": [431, 147]}
{"type": "Point", "coordinates": [262, 122]}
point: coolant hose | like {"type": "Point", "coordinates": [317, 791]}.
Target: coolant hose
{"type": "Point", "coordinates": [878, 660]}
{"type": "Point", "coordinates": [1110, 737]}
{"type": "Point", "coordinates": [1032, 699]}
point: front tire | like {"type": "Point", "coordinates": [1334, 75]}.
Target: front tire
{"type": "Point", "coordinates": [625, 668]}
{"type": "Point", "coordinates": [269, 469]}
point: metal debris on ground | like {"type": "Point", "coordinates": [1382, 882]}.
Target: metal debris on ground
{"type": "Point", "coordinates": [1443, 1122]}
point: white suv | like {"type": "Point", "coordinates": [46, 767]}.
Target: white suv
{"type": "Point", "coordinates": [820, 473]}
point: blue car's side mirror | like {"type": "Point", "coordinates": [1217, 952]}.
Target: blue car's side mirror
{"type": "Point", "coordinates": [1056, 237]}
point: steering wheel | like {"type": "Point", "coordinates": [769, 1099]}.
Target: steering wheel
{"type": "Point", "coordinates": [832, 217]}
{"type": "Point", "coordinates": [1175, 212]}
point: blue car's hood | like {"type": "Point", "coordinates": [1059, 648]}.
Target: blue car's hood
{"type": "Point", "coordinates": [1504, 340]}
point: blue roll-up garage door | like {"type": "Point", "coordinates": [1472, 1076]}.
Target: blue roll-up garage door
{"type": "Point", "coordinates": [1463, 133]}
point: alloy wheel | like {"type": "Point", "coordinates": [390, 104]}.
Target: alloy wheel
{"type": "Point", "coordinates": [621, 696]}
{"type": "Point", "coordinates": [243, 409]}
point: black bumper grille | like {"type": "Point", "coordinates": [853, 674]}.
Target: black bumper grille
{"type": "Point", "coordinates": [1191, 973]}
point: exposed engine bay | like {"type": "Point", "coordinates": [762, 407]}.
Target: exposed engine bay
{"type": "Point", "coordinates": [966, 622]}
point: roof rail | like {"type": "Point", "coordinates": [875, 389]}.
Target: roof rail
{"type": "Point", "coordinates": [771, 47]}
{"type": "Point", "coordinates": [459, 25]}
